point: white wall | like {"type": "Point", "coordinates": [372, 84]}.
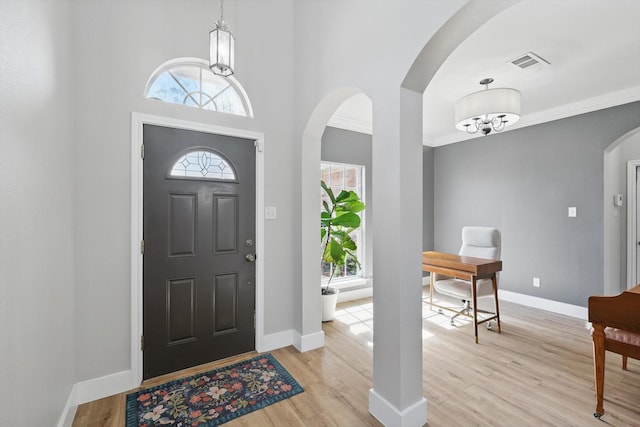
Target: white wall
{"type": "Point", "coordinates": [630, 150]}
{"type": "Point", "coordinates": [36, 232]}
{"type": "Point", "coordinates": [614, 223]}
{"type": "Point", "coordinates": [118, 44]}
{"type": "Point", "coordinates": [370, 46]}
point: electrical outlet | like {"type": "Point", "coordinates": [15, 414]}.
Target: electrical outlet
{"type": "Point", "coordinates": [536, 282]}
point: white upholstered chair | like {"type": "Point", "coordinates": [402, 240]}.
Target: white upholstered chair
{"type": "Point", "coordinates": [478, 242]}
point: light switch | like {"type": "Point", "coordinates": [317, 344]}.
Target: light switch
{"type": "Point", "coordinates": [618, 199]}
{"type": "Point", "coordinates": [573, 212]}
{"type": "Point", "coordinates": [270, 212]}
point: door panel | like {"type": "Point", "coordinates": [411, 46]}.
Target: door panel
{"type": "Point", "coordinates": [181, 310]}
{"type": "Point", "coordinates": [182, 224]}
{"type": "Point", "coordinates": [198, 293]}
{"type": "Point", "coordinates": [225, 301]}
{"type": "Point", "coordinates": [225, 215]}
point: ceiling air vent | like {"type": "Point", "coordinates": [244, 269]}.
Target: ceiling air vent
{"type": "Point", "coordinates": [530, 61]}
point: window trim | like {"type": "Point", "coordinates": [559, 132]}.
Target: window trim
{"type": "Point", "coordinates": [361, 278]}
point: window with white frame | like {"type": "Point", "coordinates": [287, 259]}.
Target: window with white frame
{"type": "Point", "coordinates": [340, 176]}
{"type": "Point", "coordinates": [190, 81]}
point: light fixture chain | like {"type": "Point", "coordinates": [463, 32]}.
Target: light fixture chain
{"type": "Point", "coordinates": [221, 10]}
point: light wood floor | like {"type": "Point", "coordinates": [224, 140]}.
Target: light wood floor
{"type": "Point", "coordinates": [537, 372]}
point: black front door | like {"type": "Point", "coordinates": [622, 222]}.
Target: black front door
{"type": "Point", "coordinates": [199, 231]}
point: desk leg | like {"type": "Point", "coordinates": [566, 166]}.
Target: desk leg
{"type": "Point", "coordinates": [474, 294]}
{"type": "Point", "coordinates": [494, 281]}
{"type": "Point", "coordinates": [431, 282]}
{"type": "Point", "coordinates": [598, 365]}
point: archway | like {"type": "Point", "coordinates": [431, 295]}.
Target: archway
{"type": "Point", "coordinates": [396, 396]}
{"type": "Point", "coordinates": [411, 407]}
{"type": "Point", "coordinates": [619, 234]}
{"type": "Point", "coordinates": [310, 309]}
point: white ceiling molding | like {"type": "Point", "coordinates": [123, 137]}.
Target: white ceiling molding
{"type": "Point", "coordinates": [349, 123]}
{"type": "Point", "coordinates": [560, 112]}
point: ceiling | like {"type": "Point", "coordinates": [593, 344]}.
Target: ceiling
{"type": "Point", "coordinates": [593, 47]}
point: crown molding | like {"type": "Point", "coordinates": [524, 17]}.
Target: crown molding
{"type": "Point", "coordinates": [348, 123]}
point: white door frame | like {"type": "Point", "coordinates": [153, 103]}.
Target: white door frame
{"type": "Point", "coordinates": [632, 231]}
{"type": "Point", "coordinates": [137, 122]}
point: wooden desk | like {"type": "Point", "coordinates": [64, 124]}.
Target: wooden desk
{"type": "Point", "coordinates": [620, 316]}
{"type": "Point", "coordinates": [466, 268]}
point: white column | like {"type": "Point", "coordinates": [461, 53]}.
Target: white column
{"type": "Point", "coordinates": [311, 334]}
{"type": "Point", "coordinates": [396, 397]}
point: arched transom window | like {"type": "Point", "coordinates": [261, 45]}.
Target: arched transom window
{"type": "Point", "coordinates": [191, 82]}
{"type": "Point", "coordinates": [203, 164]}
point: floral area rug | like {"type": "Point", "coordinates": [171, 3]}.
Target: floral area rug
{"type": "Point", "coordinates": [214, 397]}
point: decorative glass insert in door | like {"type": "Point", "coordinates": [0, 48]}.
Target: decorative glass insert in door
{"type": "Point", "coordinates": [204, 165]}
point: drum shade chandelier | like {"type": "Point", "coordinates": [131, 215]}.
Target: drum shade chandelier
{"type": "Point", "coordinates": [488, 110]}
{"type": "Point", "coordinates": [221, 45]}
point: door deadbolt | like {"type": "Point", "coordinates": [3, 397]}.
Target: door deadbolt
{"type": "Point", "coordinates": [249, 242]}
{"type": "Point", "coordinates": [250, 257]}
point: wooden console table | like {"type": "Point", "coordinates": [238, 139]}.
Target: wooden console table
{"type": "Point", "coordinates": [466, 268]}
{"type": "Point", "coordinates": [616, 328]}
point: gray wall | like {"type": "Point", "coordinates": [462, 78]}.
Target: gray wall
{"type": "Point", "coordinates": [522, 182]}
{"type": "Point", "coordinates": [344, 146]}
{"type": "Point", "coordinates": [36, 212]}
{"type": "Point", "coordinates": [427, 198]}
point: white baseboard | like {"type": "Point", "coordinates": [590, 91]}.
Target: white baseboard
{"type": "Point", "coordinates": [69, 411]}
{"type": "Point", "coordinates": [277, 340]}
{"type": "Point", "coordinates": [537, 302]}
{"type": "Point", "coordinates": [544, 304]}
{"type": "Point", "coordinates": [413, 416]}
{"type": "Point", "coordinates": [97, 388]}
{"type": "Point", "coordinates": [355, 294]}
{"type": "Point", "coordinates": [308, 342]}
{"type": "Point", "coordinates": [94, 389]}
{"type": "Point", "coordinates": [291, 337]}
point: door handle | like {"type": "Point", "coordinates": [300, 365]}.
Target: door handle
{"type": "Point", "coordinates": [250, 257]}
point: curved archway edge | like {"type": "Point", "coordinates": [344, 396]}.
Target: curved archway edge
{"type": "Point", "coordinates": [613, 229]}
{"type": "Point", "coordinates": [311, 335]}
{"type": "Point", "coordinates": [396, 396]}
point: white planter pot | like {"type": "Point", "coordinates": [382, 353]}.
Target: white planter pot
{"type": "Point", "coordinates": [329, 306]}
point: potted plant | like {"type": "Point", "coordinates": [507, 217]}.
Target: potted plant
{"type": "Point", "coordinates": [338, 219]}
